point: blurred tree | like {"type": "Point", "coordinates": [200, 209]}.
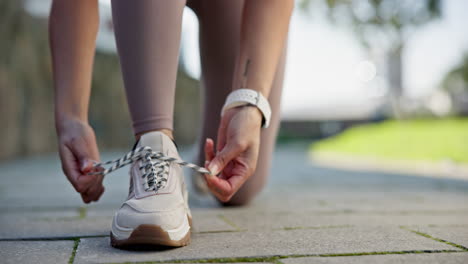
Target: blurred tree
{"type": "Point", "coordinates": [458, 77]}
{"type": "Point", "coordinates": [456, 84]}
{"type": "Point", "coordinates": [383, 25]}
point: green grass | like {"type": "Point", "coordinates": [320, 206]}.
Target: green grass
{"type": "Point", "coordinates": [423, 140]}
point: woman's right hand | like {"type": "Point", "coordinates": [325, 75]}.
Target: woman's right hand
{"type": "Point", "coordinates": [78, 152]}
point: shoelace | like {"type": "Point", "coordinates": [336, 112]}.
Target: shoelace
{"type": "Point", "coordinates": [155, 166]}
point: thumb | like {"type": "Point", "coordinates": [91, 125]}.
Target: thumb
{"type": "Point", "coordinates": [87, 165]}
{"type": "Point", "coordinates": [83, 156]}
{"type": "Point", "coordinates": [222, 158]}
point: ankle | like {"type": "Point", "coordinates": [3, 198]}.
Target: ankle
{"type": "Point", "coordinates": [167, 132]}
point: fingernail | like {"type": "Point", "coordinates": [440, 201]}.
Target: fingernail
{"type": "Point", "coordinates": [84, 164]}
{"type": "Point", "coordinates": [214, 169]}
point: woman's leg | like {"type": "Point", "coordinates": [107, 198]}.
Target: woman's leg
{"type": "Point", "coordinates": [148, 33]}
{"type": "Point", "coordinates": [220, 23]}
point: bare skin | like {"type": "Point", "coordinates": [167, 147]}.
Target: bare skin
{"type": "Point", "coordinates": [73, 28]}
{"type": "Point", "coordinates": [239, 130]}
{"type": "Point", "coordinates": [237, 159]}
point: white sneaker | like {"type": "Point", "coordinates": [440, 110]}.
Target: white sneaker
{"type": "Point", "coordinates": [156, 211]}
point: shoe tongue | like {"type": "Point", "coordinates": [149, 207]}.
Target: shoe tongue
{"type": "Point", "coordinates": [156, 140]}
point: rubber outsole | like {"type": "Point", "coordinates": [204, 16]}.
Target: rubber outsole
{"type": "Point", "coordinates": [150, 235]}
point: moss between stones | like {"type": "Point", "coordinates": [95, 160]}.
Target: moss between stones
{"type": "Point", "coordinates": [434, 238]}
{"type": "Point", "coordinates": [73, 254]}
{"type": "Point", "coordinates": [51, 238]}
{"type": "Point", "coordinates": [219, 231]}
{"type": "Point", "coordinates": [270, 259]}
{"type": "Point", "coordinates": [277, 259]}
{"type": "Point", "coordinates": [313, 227]}
{"type": "Point", "coordinates": [229, 222]}
{"type": "Point", "coordinates": [273, 259]}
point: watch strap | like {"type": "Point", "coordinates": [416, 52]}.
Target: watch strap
{"type": "Point", "coordinates": [245, 96]}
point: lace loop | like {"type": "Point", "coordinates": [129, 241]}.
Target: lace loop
{"type": "Point", "coordinates": [155, 166]}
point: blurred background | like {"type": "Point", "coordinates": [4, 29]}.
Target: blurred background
{"type": "Point", "coordinates": [380, 79]}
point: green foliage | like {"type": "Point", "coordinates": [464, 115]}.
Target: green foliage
{"type": "Point", "coordinates": [370, 19]}
{"type": "Point", "coordinates": [425, 140]}
{"type": "Point", "coordinates": [458, 77]}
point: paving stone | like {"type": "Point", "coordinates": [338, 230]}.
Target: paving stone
{"type": "Point", "coordinates": [438, 202]}
{"type": "Point", "coordinates": [254, 244]}
{"type": "Point", "coordinates": [292, 166]}
{"type": "Point", "coordinates": [340, 189]}
{"type": "Point", "coordinates": [209, 221]}
{"type": "Point", "coordinates": [277, 220]}
{"type": "Point", "coordinates": [69, 223]}
{"type": "Point", "coordinates": [299, 198]}
{"type": "Point", "coordinates": [432, 258]}
{"type": "Point", "coordinates": [52, 224]}
{"type": "Point", "coordinates": [21, 189]}
{"type": "Point", "coordinates": [204, 220]}
{"type": "Point", "coordinates": [454, 234]}
{"type": "Point", "coordinates": [310, 196]}
{"type": "Point", "coordinates": [35, 251]}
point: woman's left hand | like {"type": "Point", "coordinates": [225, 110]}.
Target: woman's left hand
{"type": "Point", "coordinates": [237, 151]}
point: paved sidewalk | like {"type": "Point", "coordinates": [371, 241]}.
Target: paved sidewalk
{"type": "Point", "coordinates": [307, 214]}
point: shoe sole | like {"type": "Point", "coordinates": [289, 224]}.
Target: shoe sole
{"type": "Point", "coordinates": [150, 235]}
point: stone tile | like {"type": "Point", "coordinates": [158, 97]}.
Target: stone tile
{"type": "Point", "coordinates": [438, 202]}
{"type": "Point", "coordinates": [35, 251]}
{"type": "Point", "coordinates": [20, 188]}
{"type": "Point", "coordinates": [209, 221]}
{"type": "Point", "coordinates": [204, 220]}
{"type": "Point", "coordinates": [69, 223]}
{"type": "Point", "coordinates": [254, 244]}
{"type": "Point", "coordinates": [299, 198]}
{"type": "Point", "coordinates": [455, 234]}
{"type": "Point", "coordinates": [292, 166]}
{"type": "Point", "coordinates": [278, 220]}
{"type": "Point", "coordinates": [52, 224]}
{"type": "Point", "coordinates": [433, 258]}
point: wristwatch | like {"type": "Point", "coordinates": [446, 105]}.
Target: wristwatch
{"type": "Point", "coordinates": [245, 96]}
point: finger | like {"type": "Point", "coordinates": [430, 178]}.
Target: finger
{"type": "Point", "coordinates": [72, 171]}
{"type": "Point", "coordinates": [221, 137]}
{"type": "Point", "coordinates": [219, 187]}
{"type": "Point", "coordinates": [100, 194]}
{"type": "Point", "coordinates": [95, 192]}
{"type": "Point", "coordinates": [222, 158]}
{"type": "Point", "coordinates": [85, 151]}
{"type": "Point", "coordinates": [96, 189]}
{"type": "Point", "coordinates": [87, 166]}
{"type": "Point", "coordinates": [85, 197]}
{"type": "Point", "coordinates": [91, 180]}
{"type": "Point", "coordinates": [224, 189]}
{"type": "Point", "coordinates": [209, 150]}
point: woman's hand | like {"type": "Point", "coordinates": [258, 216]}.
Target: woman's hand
{"type": "Point", "coordinates": [238, 145]}
{"type": "Point", "coordinates": [78, 150]}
